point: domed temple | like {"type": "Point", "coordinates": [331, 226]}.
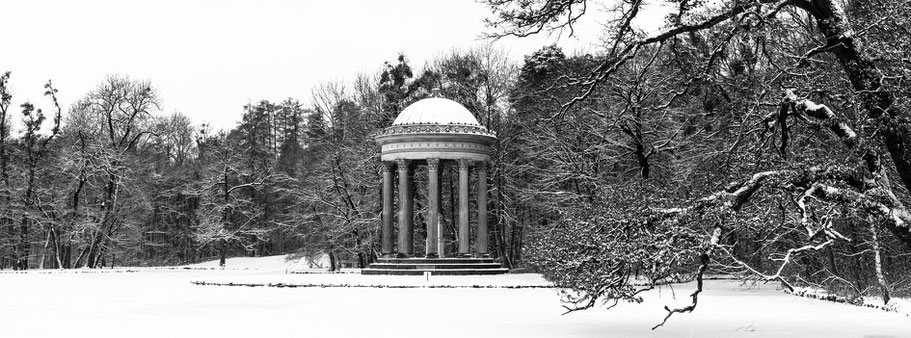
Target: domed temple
{"type": "Point", "coordinates": [428, 135]}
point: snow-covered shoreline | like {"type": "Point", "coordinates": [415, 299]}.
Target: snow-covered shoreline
{"type": "Point", "coordinates": [897, 305]}
{"type": "Point", "coordinates": [163, 302]}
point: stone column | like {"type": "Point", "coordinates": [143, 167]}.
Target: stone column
{"type": "Point", "coordinates": [464, 232]}
{"type": "Point", "coordinates": [482, 210]}
{"type": "Point", "coordinates": [387, 210]}
{"type": "Point", "coordinates": [406, 233]}
{"type": "Point", "coordinates": [433, 207]}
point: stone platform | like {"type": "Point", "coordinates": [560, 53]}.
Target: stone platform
{"type": "Point", "coordinates": [436, 266]}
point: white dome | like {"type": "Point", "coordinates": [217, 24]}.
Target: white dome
{"type": "Point", "coordinates": [436, 110]}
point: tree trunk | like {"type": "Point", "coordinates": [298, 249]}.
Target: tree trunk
{"type": "Point", "coordinates": [222, 252]}
{"type": "Point", "coordinates": [866, 79]}
{"type": "Point", "coordinates": [6, 221]}
{"type": "Point", "coordinates": [333, 263]}
{"type": "Point", "coordinates": [47, 242]}
{"type": "Point", "coordinates": [499, 226]}
{"type": "Point", "coordinates": [67, 256]}
{"type": "Point", "coordinates": [877, 259]}
{"type": "Point", "coordinates": [82, 254]}
{"type": "Point", "coordinates": [92, 250]}
{"type": "Point", "coordinates": [55, 245]}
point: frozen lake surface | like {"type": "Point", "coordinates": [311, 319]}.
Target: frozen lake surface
{"type": "Point", "coordinates": [163, 303]}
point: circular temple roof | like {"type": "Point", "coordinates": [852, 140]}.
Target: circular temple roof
{"type": "Point", "coordinates": [436, 110]}
{"type": "Point", "coordinates": [435, 128]}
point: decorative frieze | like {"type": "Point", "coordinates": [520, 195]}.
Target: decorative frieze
{"type": "Point", "coordinates": [433, 145]}
{"type": "Point", "coordinates": [435, 129]}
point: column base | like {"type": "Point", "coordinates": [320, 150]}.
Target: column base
{"type": "Point", "coordinates": [482, 255]}
{"type": "Point", "coordinates": [432, 255]}
{"type": "Point", "coordinates": [388, 255]}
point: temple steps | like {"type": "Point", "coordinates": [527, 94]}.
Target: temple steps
{"type": "Point", "coordinates": [436, 266]}
{"type": "Point", "coordinates": [443, 272]}
{"type": "Point", "coordinates": [446, 260]}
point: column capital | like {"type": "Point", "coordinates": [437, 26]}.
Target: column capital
{"type": "Point", "coordinates": [481, 165]}
{"type": "Point", "coordinates": [402, 164]}
{"type": "Point", "coordinates": [387, 166]}
{"type": "Point", "coordinates": [433, 163]}
{"type": "Point", "coordinates": [464, 164]}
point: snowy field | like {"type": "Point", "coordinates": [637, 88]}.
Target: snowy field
{"type": "Point", "coordinates": [164, 303]}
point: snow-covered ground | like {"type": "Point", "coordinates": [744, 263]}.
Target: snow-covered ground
{"type": "Point", "coordinates": [278, 262]}
{"type": "Point", "coordinates": [163, 303]}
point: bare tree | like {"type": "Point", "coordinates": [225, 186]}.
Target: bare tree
{"type": "Point", "coordinates": [5, 193]}
{"type": "Point", "coordinates": [36, 147]}
{"type": "Point", "coordinates": [227, 216]}
{"type": "Point", "coordinates": [117, 112]}
{"type": "Point", "coordinates": [765, 47]}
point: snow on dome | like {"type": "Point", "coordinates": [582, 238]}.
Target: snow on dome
{"type": "Point", "coordinates": [436, 110]}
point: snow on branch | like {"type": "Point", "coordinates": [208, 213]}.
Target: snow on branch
{"type": "Point", "coordinates": [784, 262]}
{"type": "Point", "coordinates": [896, 214]}
{"type": "Point", "coordinates": [252, 185]}
{"type": "Point", "coordinates": [704, 260]}
{"type": "Point", "coordinates": [610, 66]}
{"type": "Point", "coordinates": [833, 184]}
{"type": "Point", "coordinates": [807, 183]}
{"type": "Point", "coordinates": [803, 109]}
{"type": "Point", "coordinates": [825, 115]}
{"type": "Point", "coordinates": [733, 197]}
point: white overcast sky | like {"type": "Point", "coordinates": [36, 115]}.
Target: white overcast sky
{"type": "Point", "coordinates": [210, 58]}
